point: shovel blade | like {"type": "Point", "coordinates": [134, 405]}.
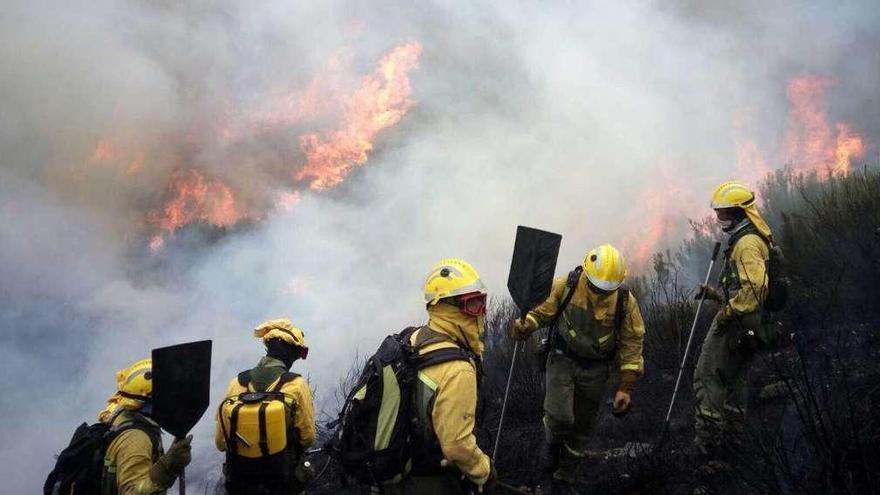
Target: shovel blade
{"type": "Point", "coordinates": [181, 385]}
{"type": "Point", "coordinates": [534, 263]}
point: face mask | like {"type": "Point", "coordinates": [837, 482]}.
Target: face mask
{"type": "Point", "coordinates": [728, 225]}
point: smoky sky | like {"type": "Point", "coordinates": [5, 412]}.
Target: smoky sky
{"type": "Point", "coordinates": [569, 116]}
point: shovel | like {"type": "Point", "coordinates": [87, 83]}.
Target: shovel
{"type": "Point", "coordinates": [530, 280]}
{"type": "Point", "coordinates": [181, 389]}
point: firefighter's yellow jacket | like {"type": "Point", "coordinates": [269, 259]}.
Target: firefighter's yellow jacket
{"type": "Point", "coordinates": [130, 455]}
{"type": "Point", "coordinates": [744, 277]}
{"type": "Point", "coordinates": [453, 415]}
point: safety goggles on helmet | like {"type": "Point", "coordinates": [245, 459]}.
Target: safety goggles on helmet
{"type": "Point", "coordinates": [473, 304]}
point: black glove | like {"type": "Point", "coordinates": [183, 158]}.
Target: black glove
{"type": "Point", "coordinates": [711, 293]}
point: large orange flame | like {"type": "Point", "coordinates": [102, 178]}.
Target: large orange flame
{"type": "Point", "coordinates": [811, 144]}
{"type": "Point", "coordinates": [381, 101]}
{"type": "Point", "coordinates": [192, 197]}
{"type": "Point", "coordinates": [848, 146]}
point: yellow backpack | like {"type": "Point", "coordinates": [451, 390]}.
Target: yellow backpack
{"type": "Point", "coordinates": [256, 423]}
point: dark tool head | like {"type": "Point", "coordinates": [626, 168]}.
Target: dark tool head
{"type": "Point", "coordinates": [181, 385]}
{"type": "Point", "coordinates": [533, 266]}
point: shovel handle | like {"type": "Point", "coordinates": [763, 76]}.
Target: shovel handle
{"type": "Point", "coordinates": [181, 480]}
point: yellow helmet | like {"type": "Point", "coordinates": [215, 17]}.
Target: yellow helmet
{"type": "Point", "coordinates": [136, 381]}
{"type": "Point", "coordinates": [732, 194]}
{"type": "Point", "coordinates": [283, 329]}
{"type": "Point", "coordinates": [605, 267]}
{"type": "Point", "coordinates": [735, 194]}
{"type": "Point", "coordinates": [452, 277]}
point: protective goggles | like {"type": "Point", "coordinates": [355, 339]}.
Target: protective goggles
{"type": "Point", "coordinates": [303, 352]}
{"type": "Point", "coordinates": [473, 304]}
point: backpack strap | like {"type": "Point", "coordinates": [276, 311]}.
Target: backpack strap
{"type": "Point", "coordinates": [427, 336]}
{"type": "Point", "coordinates": [439, 356]}
{"type": "Point", "coordinates": [137, 422]}
{"type": "Point", "coordinates": [264, 437]}
{"type": "Point", "coordinates": [620, 309]}
{"type": "Point", "coordinates": [285, 378]}
{"type": "Point", "coordinates": [232, 440]}
{"type": "Point", "coordinates": [620, 315]}
{"type": "Point", "coordinates": [568, 293]}
{"type": "Point", "coordinates": [570, 287]}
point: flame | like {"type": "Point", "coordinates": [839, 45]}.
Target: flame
{"type": "Point", "coordinates": [194, 197]}
{"type": "Point", "coordinates": [381, 101]}
{"type": "Point", "coordinates": [849, 146]}
{"type": "Point", "coordinates": [811, 143]}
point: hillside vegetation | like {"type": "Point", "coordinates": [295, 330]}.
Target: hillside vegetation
{"type": "Point", "coordinates": [813, 426]}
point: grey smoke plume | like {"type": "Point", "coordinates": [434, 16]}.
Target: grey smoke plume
{"type": "Point", "coordinates": [568, 117]}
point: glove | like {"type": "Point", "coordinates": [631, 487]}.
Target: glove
{"type": "Point", "coordinates": [167, 468]}
{"type": "Point", "coordinates": [520, 329]}
{"type": "Point", "coordinates": [622, 403]}
{"type": "Point", "coordinates": [491, 482]}
{"type": "Point", "coordinates": [711, 293]}
{"type": "Point", "coordinates": [623, 397]}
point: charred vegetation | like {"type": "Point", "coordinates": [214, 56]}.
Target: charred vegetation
{"type": "Point", "coordinates": [812, 426]}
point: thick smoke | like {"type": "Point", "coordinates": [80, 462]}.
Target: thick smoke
{"type": "Point", "coordinates": [582, 120]}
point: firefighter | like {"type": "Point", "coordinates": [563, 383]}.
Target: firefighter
{"type": "Point", "coordinates": [721, 374]}
{"type": "Point", "coordinates": [446, 459]}
{"type": "Point", "coordinates": [134, 463]}
{"type": "Point", "coordinates": [594, 323]}
{"type": "Point", "coordinates": [261, 459]}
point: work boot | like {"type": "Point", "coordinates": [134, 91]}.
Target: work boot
{"type": "Point", "coordinates": [566, 471]}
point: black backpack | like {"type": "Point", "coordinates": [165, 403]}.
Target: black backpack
{"type": "Point", "coordinates": [778, 282]}
{"type": "Point", "coordinates": [79, 467]}
{"type": "Point", "coordinates": [373, 442]}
